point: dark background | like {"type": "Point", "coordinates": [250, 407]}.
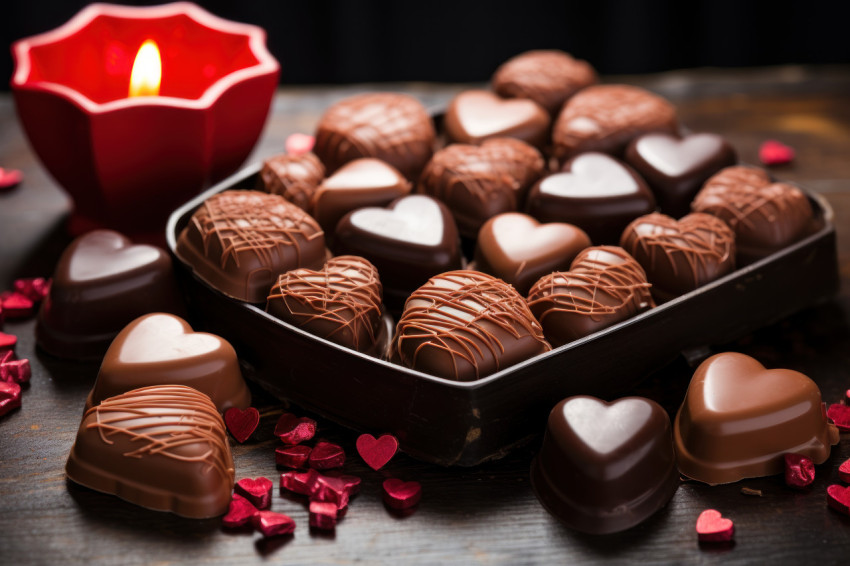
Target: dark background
{"type": "Point", "coordinates": [339, 41]}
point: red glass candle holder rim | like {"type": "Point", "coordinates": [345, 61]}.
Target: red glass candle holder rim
{"type": "Point", "coordinates": [266, 65]}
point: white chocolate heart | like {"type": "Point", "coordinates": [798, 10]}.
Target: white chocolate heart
{"type": "Point", "coordinates": [593, 175]}
{"type": "Point", "coordinates": [416, 219]}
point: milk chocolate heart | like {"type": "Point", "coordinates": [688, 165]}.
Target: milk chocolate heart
{"type": "Point", "coordinates": [158, 349]}
{"type": "Point", "coordinates": [738, 420]}
{"type": "Point", "coordinates": [477, 115]}
{"type": "Point", "coordinates": [294, 177]}
{"type": "Point", "coordinates": [765, 216]}
{"type": "Point", "coordinates": [680, 255]}
{"type": "Point", "coordinates": [479, 182]}
{"type": "Point", "coordinates": [676, 168]}
{"type": "Point", "coordinates": [412, 239]}
{"type": "Point", "coordinates": [605, 467]}
{"type": "Point", "coordinates": [594, 191]}
{"type": "Point", "coordinates": [102, 283]}
{"type": "Point", "coordinates": [359, 183]}
{"type": "Point", "coordinates": [519, 250]}
{"type": "Point", "coordinates": [341, 302]}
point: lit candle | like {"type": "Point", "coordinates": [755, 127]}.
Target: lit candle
{"type": "Point", "coordinates": [147, 71]}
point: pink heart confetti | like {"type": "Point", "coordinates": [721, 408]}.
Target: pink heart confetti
{"type": "Point", "coordinates": [273, 524]}
{"type": "Point", "coordinates": [10, 178]}
{"type": "Point", "coordinates": [323, 515]}
{"type": "Point", "coordinates": [294, 430]}
{"type": "Point", "coordinates": [239, 513]}
{"type": "Point", "coordinates": [377, 452]}
{"type": "Point", "coordinates": [241, 423]}
{"type": "Point", "coordinates": [838, 498]}
{"type": "Point", "coordinates": [10, 397]}
{"type": "Point", "coordinates": [400, 494]}
{"type": "Point", "coordinates": [840, 415]}
{"type": "Point", "coordinates": [305, 483]}
{"type": "Point", "coordinates": [292, 456]}
{"type": "Point", "coordinates": [299, 144]}
{"type": "Point", "coordinates": [257, 491]}
{"type": "Point", "coordinates": [844, 471]}
{"type": "Point", "coordinates": [713, 527]}
{"type": "Point", "coordinates": [799, 471]}
{"type": "Point", "coordinates": [326, 455]}
{"type": "Point", "coordinates": [773, 152]}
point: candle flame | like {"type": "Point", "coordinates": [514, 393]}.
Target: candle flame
{"type": "Point", "coordinates": [147, 71]}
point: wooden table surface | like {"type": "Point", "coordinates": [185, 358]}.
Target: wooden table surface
{"type": "Point", "coordinates": [487, 514]}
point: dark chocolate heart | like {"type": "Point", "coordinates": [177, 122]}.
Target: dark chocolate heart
{"type": "Point", "coordinates": [477, 115]}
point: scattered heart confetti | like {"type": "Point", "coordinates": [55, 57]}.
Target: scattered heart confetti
{"type": "Point", "coordinates": [294, 430]}
{"type": "Point", "coordinates": [336, 490]}
{"type": "Point", "coordinates": [292, 456]}
{"type": "Point", "coordinates": [241, 423]}
{"type": "Point", "coordinates": [7, 342]}
{"type": "Point", "coordinates": [257, 491]}
{"type": "Point", "coordinates": [239, 514]}
{"type": "Point", "coordinates": [847, 397]}
{"type": "Point", "coordinates": [10, 178]}
{"type": "Point", "coordinates": [326, 455]}
{"type": "Point", "coordinates": [273, 524]}
{"type": "Point", "coordinates": [18, 371]}
{"type": "Point", "coordinates": [400, 494]}
{"type": "Point", "coordinates": [377, 452]}
{"type": "Point", "coordinates": [306, 483]}
{"type": "Point", "coordinates": [773, 152]}
{"type": "Point", "coordinates": [35, 289]}
{"type": "Point", "coordinates": [323, 515]}
{"type": "Point", "coordinates": [16, 305]}
{"type": "Point", "coordinates": [712, 527]}
{"type": "Point", "coordinates": [840, 415]}
{"type": "Point", "coordinates": [799, 471]}
{"type": "Point", "coordinates": [10, 397]}
{"type": "Point", "coordinates": [838, 498]}
{"type": "Point", "coordinates": [299, 144]}
{"type": "Point", "coordinates": [844, 472]}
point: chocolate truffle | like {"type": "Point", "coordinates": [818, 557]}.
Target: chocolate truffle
{"type": "Point", "coordinates": [765, 216]}
{"type": "Point", "coordinates": [607, 117]}
{"type": "Point", "coordinates": [161, 349]}
{"type": "Point", "coordinates": [519, 250]}
{"type": "Point", "coordinates": [605, 467]}
{"type": "Point", "coordinates": [477, 115]}
{"type": "Point", "coordinates": [414, 238]}
{"type": "Point", "coordinates": [392, 127]}
{"type": "Point", "coordinates": [103, 282]}
{"type": "Point", "coordinates": [738, 420]}
{"type": "Point", "coordinates": [548, 77]}
{"type": "Point", "coordinates": [294, 177]}
{"type": "Point", "coordinates": [358, 183]}
{"type": "Point", "coordinates": [676, 168]}
{"type": "Point", "coordinates": [340, 303]}
{"type": "Point", "coordinates": [594, 191]}
{"type": "Point", "coordinates": [465, 325]}
{"type": "Point", "coordinates": [680, 255]}
{"type": "Point", "coordinates": [239, 241]}
{"type": "Point", "coordinates": [162, 447]}
{"type": "Point", "coordinates": [479, 182]}
{"type": "Point", "coordinates": [604, 286]}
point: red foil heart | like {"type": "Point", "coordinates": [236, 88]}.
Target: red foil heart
{"type": "Point", "coordinates": [400, 494]}
{"type": "Point", "coordinates": [10, 178]}
{"type": "Point", "coordinates": [10, 397]}
{"type": "Point", "coordinates": [838, 498]}
{"type": "Point", "coordinates": [712, 527]}
{"type": "Point", "coordinates": [292, 456]}
{"type": "Point", "coordinates": [8, 342]}
{"type": "Point", "coordinates": [377, 452]}
{"type": "Point", "coordinates": [239, 514]}
{"type": "Point", "coordinates": [35, 289]}
{"type": "Point", "coordinates": [294, 430]}
{"type": "Point", "coordinates": [844, 472]}
{"type": "Point", "coordinates": [799, 471]}
{"type": "Point", "coordinates": [16, 305]}
{"type": "Point", "coordinates": [306, 483]}
{"type": "Point", "coordinates": [273, 524]}
{"type": "Point", "coordinates": [840, 415]}
{"type": "Point", "coordinates": [326, 455]}
{"type": "Point", "coordinates": [17, 371]}
{"type": "Point", "coordinates": [241, 423]}
{"type": "Point", "coordinates": [336, 489]}
{"type": "Point", "coordinates": [257, 491]}
{"type": "Point", "coordinates": [773, 152]}
{"type": "Point", "coordinates": [323, 515]}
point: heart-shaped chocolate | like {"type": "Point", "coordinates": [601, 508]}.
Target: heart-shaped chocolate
{"type": "Point", "coordinates": [341, 302]}
{"type": "Point", "coordinates": [161, 348]}
{"type": "Point", "coordinates": [294, 177]}
{"type": "Point", "coordinates": [479, 182]}
{"type": "Point", "coordinates": [676, 168]}
{"type": "Point", "coordinates": [605, 467]}
{"type": "Point", "coordinates": [738, 420]}
{"type": "Point", "coordinates": [412, 239]}
{"type": "Point", "coordinates": [594, 191]}
{"type": "Point", "coordinates": [519, 250]}
{"type": "Point", "coordinates": [359, 183]}
{"type": "Point", "coordinates": [680, 255]}
{"type": "Point", "coordinates": [765, 216]}
{"type": "Point", "coordinates": [102, 283]}
{"type": "Point", "coordinates": [477, 115]}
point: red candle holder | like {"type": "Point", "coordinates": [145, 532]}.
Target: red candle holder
{"type": "Point", "coordinates": [128, 161]}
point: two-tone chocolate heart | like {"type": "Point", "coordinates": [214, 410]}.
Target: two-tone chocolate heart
{"type": "Point", "coordinates": [738, 420]}
{"type": "Point", "coordinates": [477, 115]}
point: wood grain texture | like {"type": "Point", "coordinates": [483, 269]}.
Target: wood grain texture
{"type": "Point", "coordinates": [482, 515]}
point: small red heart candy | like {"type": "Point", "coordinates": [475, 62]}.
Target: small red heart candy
{"type": "Point", "coordinates": [840, 415]}
{"type": "Point", "coordinates": [294, 430]}
{"type": "Point", "coordinates": [240, 513]}
{"type": "Point", "coordinates": [773, 152]}
{"type": "Point", "coordinates": [10, 178]}
{"type": "Point", "coordinates": [799, 471]}
{"type": "Point", "coordinates": [8, 341]}
{"type": "Point", "coordinates": [10, 397]}
{"type": "Point", "coordinates": [35, 289]}
{"type": "Point", "coordinates": [18, 371]}
{"type": "Point", "coordinates": [327, 455]}
{"type": "Point", "coordinates": [838, 498]}
{"type": "Point", "coordinates": [306, 483]}
{"type": "Point", "coordinates": [400, 494]}
{"type": "Point", "coordinates": [844, 472]}
{"type": "Point", "coordinates": [299, 144]}
{"type": "Point", "coordinates": [336, 489]}
{"type": "Point", "coordinates": [377, 452]}
{"type": "Point", "coordinates": [323, 515]}
{"type": "Point", "coordinates": [292, 456]}
{"type": "Point", "coordinates": [257, 491]}
{"type": "Point", "coordinates": [273, 524]}
{"type": "Point", "coordinates": [712, 527]}
{"type": "Point", "coordinates": [241, 422]}
{"type": "Point", "coordinates": [16, 305]}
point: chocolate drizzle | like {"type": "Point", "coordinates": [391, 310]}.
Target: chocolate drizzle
{"type": "Point", "coordinates": [294, 177]}
{"type": "Point", "coordinates": [605, 285]}
{"type": "Point", "coordinates": [680, 255]}
{"type": "Point", "coordinates": [341, 303]}
{"type": "Point", "coordinates": [464, 325]}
